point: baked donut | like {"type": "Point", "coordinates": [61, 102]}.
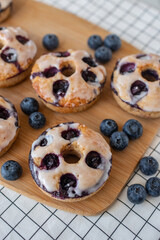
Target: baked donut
{"type": "Point", "coordinates": [9, 124]}
{"type": "Point", "coordinates": [70, 181]}
{"type": "Point", "coordinates": [68, 81]}
{"type": "Point", "coordinates": [5, 9]}
{"type": "Point", "coordinates": [135, 84]}
{"type": "Point", "coordinates": [16, 55]}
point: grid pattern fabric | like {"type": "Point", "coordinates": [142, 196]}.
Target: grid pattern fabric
{"type": "Point", "coordinates": [23, 218]}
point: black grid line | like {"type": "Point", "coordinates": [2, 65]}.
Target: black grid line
{"type": "Point", "coordinates": [80, 9]}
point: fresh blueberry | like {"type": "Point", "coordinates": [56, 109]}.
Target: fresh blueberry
{"type": "Point", "coordinates": [50, 42]}
{"type": "Point", "coordinates": [113, 42]}
{"type": "Point", "coordinates": [29, 105]}
{"type": "Point", "coordinates": [133, 129]}
{"type": "Point", "coordinates": [136, 193]}
{"type": "Point", "coordinates": [153, 186]}
{"type": "Point", "coordinates": [108, 126]}
{"type": "Point", "coordinates": [148, 165]}
{"type": "Point", "coordinates": [119, 141]}
{"type": "Point", "coordinates": [103, 54]}
{"type": "Point", "coordinates": [11, 170]}
{"type": "Point", "coordinates": [37, 120]}
{"type": "Point", "coordinates": [95, 41]}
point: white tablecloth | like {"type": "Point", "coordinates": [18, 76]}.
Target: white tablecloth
{"type": "Point", "coordinates": [23, 218]}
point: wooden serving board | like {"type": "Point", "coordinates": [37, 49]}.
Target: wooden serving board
{"type": "Point", "coordinates": [38, 19]}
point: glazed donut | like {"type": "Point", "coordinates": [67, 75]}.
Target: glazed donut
{"type": "Point", "coordinates": [16, 55]}
{"type": "Point", "coordinates": [9, 125]}
{"type": "Point", "coordinates": [68, 81]}
{"type": "Point", "coordinates": [5, 9]}
{"type": "Point", "coordinates": [135, 84]}
{"type": "Point", "coordinates": [70, 181]}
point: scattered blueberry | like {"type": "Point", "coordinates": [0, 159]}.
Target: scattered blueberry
{"type": "Point", "coordinates": [108, 126]}
{"type": "Point", "coordinates": [103, 54]}
{"type": "Point", "coordinates": [133, 129]}
{"type": "Point", "coordinates": [148, 165]}
{"type": "Point", "coordinates": [113, 42]}
{"type": "Point", "coordinates": [136, 193]}
{"type": "Point", "coordinates": [37, 120]}
{"type": "Point", "coordinates": [153, 186]}
{"type": "Point", "coordinates": [29, 105]}
{"type": "Point", "coordinates": [11, 170]}
{"type": "Point", "coordinates": [119, 141]}
{"type": "Point", "coordinates": [50, 42]}
{"type": "Point", "coordinates": [95, 41]}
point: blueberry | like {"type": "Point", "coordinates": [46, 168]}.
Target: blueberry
{"type": "Point", "coordinates": [68, 180]}
{"type": "Point", "coordinates": [138, 87]}
{"type": "Point", "coordinates": [133, 129]}
{"type": "Point", "coordinates": [119, 141]}
{"type": "Point", "coordinates": [93, 159]}
{"type": "Point", "coordinates": [70, 133]}
{"type": "Point", "coordinates": [108, 126]}
{"type": "Point", "coordinates": [23, 40]}
{"type": "Point", "coordinates": [4, 114]}
{"type": "Point", "coordinates": [153, 186]}
{"type": "Point", "coordinates": [128, 67]}
{"type": "Point", "coordinates": [95, 41]}
{"type": "Point", "coordinates": [37, 120]}
{"type": "Point", "coordinates": [113, 42]}
{"type": "Point", "coordinates": [103, 54]}
{"type": "Point", "coordinates": [29, 105]}
{"type": "Point", "coordinates": [50, 161]}
{"type": "Point", "coordinates": [136, 193]}
{"type": "Point", "coordinates": [148, 165]}
{"type": "Point", "coordinates": [11, 170]}
{"type": "Point", "coordinates": [50, 41]}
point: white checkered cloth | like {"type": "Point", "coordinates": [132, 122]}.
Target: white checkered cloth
{"type": "Point", "coordinates": [23, 218]}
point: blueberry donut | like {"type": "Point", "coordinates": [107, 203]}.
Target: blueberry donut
{"type": "Point", "coordinates": [135, 84]}
{"type": "Point", "coordinates": [64, 180]}
{"type": "Point", "coordinates": [16, 55]}
{"type": "Point", "coordinates": [9, 125]}
{"type": "Point", "coordinates": [68, 81]}
{"type": "Point", "coordinates": [5, 9]}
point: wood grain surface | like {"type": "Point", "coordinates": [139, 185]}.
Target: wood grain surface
{"type": "Point", "coordinates": [38, 19]}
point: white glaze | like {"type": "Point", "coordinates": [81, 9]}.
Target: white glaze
{"type": "Point", "coordinates": [25, 52]}
{"type": "Point", "coordinates": [7, 127]}
{"type": "Point", "coordinates": [147, 101]}
{"type": "Point", "coordinates": [89, 179]}
{"type": "Point", "coordinates": [5, 3]}
{"type": "Point", "coordinates": [78, 88]}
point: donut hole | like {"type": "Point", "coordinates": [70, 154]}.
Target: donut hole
{"type": "Point", "coordinates": [71, 156]}
{"type": "Point", "coordinates": [68, 68]}
{"type": "Point", "coordinates": [150, 75]}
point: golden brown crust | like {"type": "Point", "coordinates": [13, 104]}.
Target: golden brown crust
{"type": "Point", "coordinates": [10, 144]}
{"type": "Point", "coordinates": [73, 199]}
{"type": "Point", "coordinates": [16, 79]}
{"type": "Point", "coordinates": [70, 110]}
{"type": "Point", "coordinates": [5, 14]}
{"type": "Point", "coordinates": [135, 111]}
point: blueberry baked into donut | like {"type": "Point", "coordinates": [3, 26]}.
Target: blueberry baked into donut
{"type": "Point", "coordinates": [9, 125]}
{"type": "Point", "coordinates": [16, 55]}
{"type": "Point", "coordinates": [135, 84]}
{"type": "Point", "coordinates": [70, 181]}
{"type": "Point", "coordinates": [68, 81]}
{"type": "Point", "coordinates": [5, 9]}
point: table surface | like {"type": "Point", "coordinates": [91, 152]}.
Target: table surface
{"type": "Point", "coordinates": [23, 218]}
